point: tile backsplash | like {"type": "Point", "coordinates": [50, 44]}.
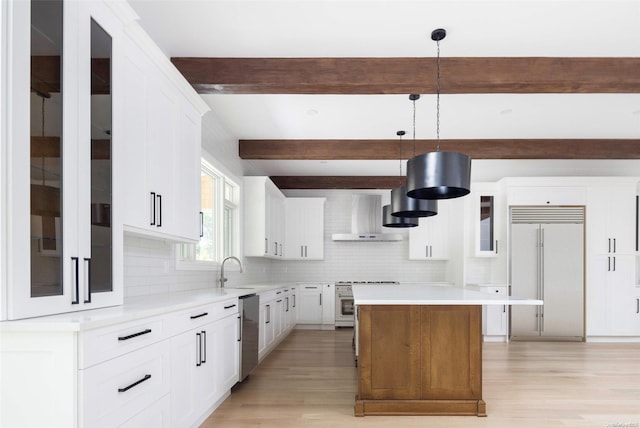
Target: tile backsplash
{"type": "Point", "coordinates": [150, 266]}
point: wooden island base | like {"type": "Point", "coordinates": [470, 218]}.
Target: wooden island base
{"type": "Point", "coordinates": [420, 407]}
{"type": "Point", "coordinates": [420, 360]}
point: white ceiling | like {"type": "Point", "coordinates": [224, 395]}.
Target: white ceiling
{"type": "Point", "coordinates": [388, 28]}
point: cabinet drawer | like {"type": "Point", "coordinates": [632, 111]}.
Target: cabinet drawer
{"type": "Point", "coordinates": [103, 344]}
{"type": "Point", "coordinates": [188, 319]}
{"type": "Point", "coordinates": [117, 390]}
{"type": "Point", "coordinates": [269, 295]}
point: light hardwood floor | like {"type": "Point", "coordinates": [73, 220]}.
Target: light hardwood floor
{"type": "Point", "coordinates": [310, 381]}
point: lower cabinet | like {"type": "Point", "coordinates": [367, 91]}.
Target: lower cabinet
{"type": "Point", "coordinates": [116, 390]}
{"type": "Point", "coordinates": [495, 318]}
{"type": "Point", "coordinates": [167, 370]}
{"type": "Point", "coordinates": [278, 316]}
{"type": "Point", "coordinates": [204, 366]}
{"type": "Point", "coordinates": [317, 302]}
{"type": "Point", "coordinates": [416, 360]}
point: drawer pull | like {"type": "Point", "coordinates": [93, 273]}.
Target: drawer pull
{"type": "Point", "coordinates": [230, 306]}
{"type": "Point", "coordinates": [126, 388]}
{"type": "Point", "coordinates": [131, 336]}
{"type": "Point", "coordinates": [204, 314]}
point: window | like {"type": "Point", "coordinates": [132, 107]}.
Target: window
{"type": "Point", "coordinates": [219, 226]}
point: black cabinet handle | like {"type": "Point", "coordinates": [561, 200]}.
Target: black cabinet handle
{"type": "Point", "coordinates": [496, 246]}
{"type": "Point", "coordinates": [204, 314]}
{"type": "Point", "coordinates": [159, 197]}
{"type": "Point", "coordinates": [131, 336]}
{"type": "Point", "coordinates": [201, 224]}
{"type": "Point", "coordinates": [136, 383]}
{"type": "Point", "coordinates": [320, 299]}
{"type": "Point", "coordinates": [614, 245]}
{"type": "Point", "coordinates": [287, 300]}
{"type": "Point", "coordinates": [294, 300]}
{"type": "Point", "coordinates": [279, 292]}
{"type": "Point", "coordinates": [88, 263]}
{"type": "Point", "coordinates": [152, 211]}
{"type": "Point", "coordinates": [314, 287]}
{"type": "Point", "coordinates": [638, 305]}
{"type": "Point", "coordinates": [204, 347]}
{"type": "Point", "coordinates": [76, 299]}
{"type": "Point", "coordinates": [199, 346]}
{"type": "Point", "coordinates": [239, 329]}
{"type": "Point", "coordinates": [614, 263]}
{"type": "Point", "coordinates": [268, 314]}
{"type": "Point", "coordinates": [230, 306]}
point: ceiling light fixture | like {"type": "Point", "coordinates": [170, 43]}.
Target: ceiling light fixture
{"type": "Point", "coordinates": [401, 204]}
{"type": "Point", "coordinates": [438, 175]}
{"type": "Point", "coordinates": [391, 221]}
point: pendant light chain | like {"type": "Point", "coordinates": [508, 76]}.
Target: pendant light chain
{"type": "Point", "coordinates": [400, 163]}
{"type": "Point", "coordinates": [438, 98]}
{"type": "Point", "coordinates": [42, 142]}
{"type": "Point", "coordinates": [414, 127]}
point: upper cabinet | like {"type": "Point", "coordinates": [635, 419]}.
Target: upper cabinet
{"type": "Point", "coordinates": [611, 219]}
{"type": "Point", "coordinates": [429, 241]}
{"type": "Point", "coordinates": [488, 217]}
{"type": "Point", "coordinates": [66, 244]}
{"type": "Point", "coordinates": [103, 133]}
{"type": "Point", "coordinates": [305, 228]}
{"type": "Point", "coordinates": [162, 156]}
{"type": "Point", "coordinates": [264, 217]}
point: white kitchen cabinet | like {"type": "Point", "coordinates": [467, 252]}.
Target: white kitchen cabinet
{"type": "Point", "coordinates": [116, 390]}
{"type": "Point", "coordinates": [205, 363]}
{"type": "Point", "coordinates": [495, 318]}
{"type": "Point", "coordinates": [62, 206]}
{"type": "Point", "coordinates": [310, 304]}
{"type": "Point", "coordinates": [611, 271]}
{"type": "Point", "coordinates": [611, 219]}
{"type": "Point", "coordinates": [429, 241]}
{"type": "Point", "coordinates": [546, 195]}
{"type": "Point", "coordinates": [487, 219]}
{"type": "Point", "coordinates": [278, 310]}
{"type": "Point", "coordinates": [328, 304]}
{"type": "Point", "coordinates": [611, 293]}
{"type": "Point", "coordinates": [163, 199]}
{"type": "Point", "coordinates": [264, 207]}
{"type": "Point", "coordinates": [227, 352]}
{"type": "Point", "coordinates": [305, 228]}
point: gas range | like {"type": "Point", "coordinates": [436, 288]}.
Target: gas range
{"type": "Point", "coordinates": [346, 285]}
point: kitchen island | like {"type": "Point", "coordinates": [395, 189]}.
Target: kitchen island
{"type": "Point", "coordinates": [420, 349]}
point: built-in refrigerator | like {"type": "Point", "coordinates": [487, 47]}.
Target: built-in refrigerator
{"type": "Point", "coordinates": [547, 262]}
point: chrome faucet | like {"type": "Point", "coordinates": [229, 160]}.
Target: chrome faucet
{"type": "Point", "coordinates": [222, 278]}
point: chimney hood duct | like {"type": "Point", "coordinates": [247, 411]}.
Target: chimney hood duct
{"type": "Point", "coordinates": [366, 221]}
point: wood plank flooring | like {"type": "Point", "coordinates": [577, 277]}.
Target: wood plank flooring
{"type": "Point", "coordinates": [310, 381]}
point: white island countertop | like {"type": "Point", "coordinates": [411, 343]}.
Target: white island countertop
{"type": "Point", "coordinates": [382, 294]}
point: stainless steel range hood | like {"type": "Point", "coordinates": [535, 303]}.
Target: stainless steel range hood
{"type": "Point", "coordinates": [366, 221]}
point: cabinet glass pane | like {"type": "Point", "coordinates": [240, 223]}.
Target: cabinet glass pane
{"type": "Point", "coordinates": [101, 279]}
{"type": "Point", "coordinates": [486, 223]}
{"type": "Point", "coordinates": [46, 148]}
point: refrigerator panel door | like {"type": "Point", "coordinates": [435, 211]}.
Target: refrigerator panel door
{"type": "Point", "coordinates": [524, 278]}
{"type": "Point", "coordinates": [563, 280]}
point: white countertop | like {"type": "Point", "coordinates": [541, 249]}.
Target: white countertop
{"type": "Point", "coordinates": [364, 294]}
{"type": "Point", "coordinates": [132, 309]}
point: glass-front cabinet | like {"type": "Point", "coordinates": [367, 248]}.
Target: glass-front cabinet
{"type": "Point", "coordinates": [486, 214]}
{"type": "Point", "coordinates": [61, 201]}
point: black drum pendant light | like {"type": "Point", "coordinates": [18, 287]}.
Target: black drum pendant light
{"type": "Point", "coordinates": [438, 175]}
{"type": "Point", "coordinates": [401, 204]}
{"type": "Point", "coordinates": [390, 221]}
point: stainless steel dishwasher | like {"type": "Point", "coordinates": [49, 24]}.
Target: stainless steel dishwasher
{"type": "Point", "coordinates": [249, 307]}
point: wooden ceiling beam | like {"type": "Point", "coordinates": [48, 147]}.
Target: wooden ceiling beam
{"type": "Point", "coordinates": [336, 182]}
{"type": "Point", "coordinates": [476, 149]}
{"type": "Point", "coordinates": [463, 75]}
